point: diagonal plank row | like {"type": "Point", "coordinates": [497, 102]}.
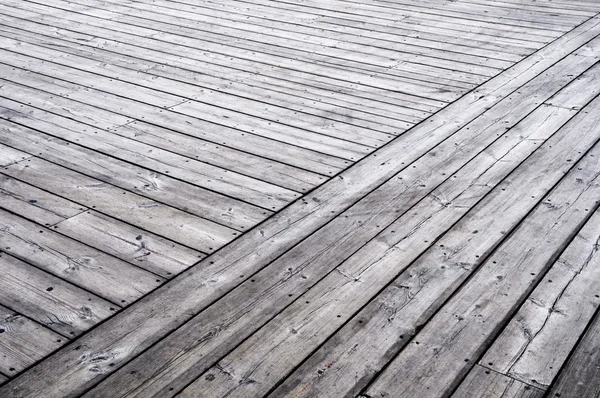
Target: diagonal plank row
{"type": "Point", "coordinates": [281, 302]}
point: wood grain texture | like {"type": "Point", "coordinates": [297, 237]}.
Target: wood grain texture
{"type": "Point", "coordinates": [10, 155]}
{"type": "Point", "coordinates": [84, 266]}
{"type": "Point", "coordinates": [35, 204]}
{"type": "Point", "coordinates": [555, 315]}
{"type": "Point", "coordinates": [331, 245]}
{"type": "Point", "coordinates": [357, 358]}
{"type": "Point", "coordinates": [380, 168]}
{"type": "Point", "coordinates": [23, 341]}
{"type": "Point", "coordinates": [177, 225]}
{"type": "Point", "coordinates": [439, 356]}
{"type": "Point", "coordinates": [485, 383]}
{"type": "Point", "coordinates": [579, 377]}
{"type": "Point", "coordinates": [350, 287]}
{"type": "Point", "coordinates": [179, 125]}
{"type": "Point", "coordinates": [136, 246]}
{"type": "Point", "coordinates": [49, 300]}
{"type": "Point", "coordinates": [266, 371]}
{"type": "Point", "coordinates": [63, 147]}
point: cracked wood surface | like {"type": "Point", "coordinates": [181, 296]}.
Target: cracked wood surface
{"type": "Point", "coordinates": [485, 383]}
{"type": "Point", "coordinates": [164, 149]}
{"type": "Point", "coordinates": [336, 296]}
{"type": "Point", "coordinates": [443, 351]}
{"type": "Point", "coordinates": [24, 341]}
{"type": "Point", "coordinates": [579, 377]}
{"type": "Point", "coordinates": [555, 315]}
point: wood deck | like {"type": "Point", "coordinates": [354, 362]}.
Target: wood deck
{"type": "Point", "coordinates": [299, 198]}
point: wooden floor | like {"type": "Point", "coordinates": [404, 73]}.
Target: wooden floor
{"type": "Point", "coordinates": [300, 198]}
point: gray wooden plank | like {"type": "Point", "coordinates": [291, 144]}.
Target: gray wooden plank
{"type": "Point", "coordinates": [221, 156]}
{"type": "Point", "coordinates": [570, 8]}
{"type": "Point", "coordinates": [544, 19]}
{"type": "Point", "coordinates": [361, 10]}
{"type": "Point", "coordinates": [570, 96]}
{"type": "Point", "coordinates": [3, 379]}
{"type": "Point", "coordinates": [481, 19]}
{"type": "Point", "coordinates": [227, 81]}
{"type": "Point", "coordinates": [49, 300]}
{"type": "Point", "coordinates": [24, 341]}
{"type": "Point", "coordinates": [445, 349]}
{"type": "Point", "coordinates": [380, 168]}
{"type": "Point", "coordinates": [579, 377]}
{"type": "Point", "coordinates": [10, 155]}
{"type": "Point", "coordinates": [485, 383]}
{"type": "Point", "coordinates": [378, 263]}
{"type": "Point", "coordinates": [35, 204]}
{"type": "Point", "coordinates": [141, 248]}
{"type": "Point", "coordinates": [181, 124]}
{"type": "Point", "coordinates": [329, 305]}
{"type": "Point", "coordinates": [360, 19]}
{"type": "Point", "coordinates": [555, 315]}
{"type": "Point", "coordinates": [81, 265]}
{"type": "Point", "coordinates": [249, 126]}
{"type": "Point", "coordinates": [145, 213]}
{"type": "Point", "coordinates": [266, 16]}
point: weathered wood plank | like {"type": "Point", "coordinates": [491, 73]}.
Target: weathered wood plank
{"type": "Point", "coordinates": [152, 63]}
{"type": "Point", "coordinates": [322, 16]}
{"type": "Point", "coordinates": [245, 163]}
{"type": "Point", "coordinates": [355, 356]}
{"type": "Point", "coordinates": [485, 383]}
{"type": "Point", "coordinates": [439, 356]}
{"type": "Point", "coordinates": [170, 118]}
{"type": "Point", "coordinates": [580, 376]}
{"type": "Point", "coordinates": [355, 10]}
{"type": "Point", "coordinates": [23, 341]}
{"type": "Point", "coordinates": [10, 155]}
{"type": "Point", "coordinates": [570, 8]}
{"type": "Point", "coordinates": [145, 213]}
{"type": "Point", "coordinates": [356, 359]}
{"type": "Point", "coordinates": [81, 265]}
{"type": "Point", "coordinates": [259, 247]}
{"type": "Point", "coordinates": [3, 379]}
{"type": "Point", "coordinates": [223, 77]}
{"type": "Point", "coordinates": [537, 341]}
{"type": "Point", "coordinates": [49, 300]}
{"type": "Point", "coordinates": [481, 20]}
{"type": "Point", "coordinates": [141, 248]}
{"type": "Point", "coordinates": [261, 16]}
{"type": "Point", "coordinates": [33, 203]}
